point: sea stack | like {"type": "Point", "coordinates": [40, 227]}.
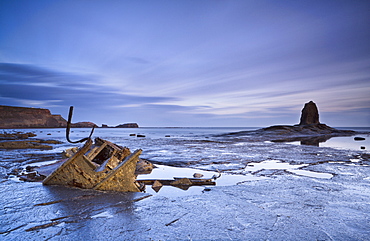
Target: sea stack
{"type": "Point", "coordinates": [310, 114]}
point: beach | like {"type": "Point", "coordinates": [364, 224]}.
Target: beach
{"type": "Point", "coordinates": [267, 190]}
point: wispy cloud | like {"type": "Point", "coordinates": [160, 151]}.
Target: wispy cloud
{"type": "Point", "coordinates": [184, 63]}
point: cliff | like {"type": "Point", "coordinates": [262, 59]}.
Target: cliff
{"type": "Point", "coordinates": [23, 117]}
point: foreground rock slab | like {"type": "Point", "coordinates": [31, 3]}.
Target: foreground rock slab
{"type": "Point", "coordinates": [281, 208]}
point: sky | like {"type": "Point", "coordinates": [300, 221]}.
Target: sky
{"type": "Point", "coordinates": [188, 63]}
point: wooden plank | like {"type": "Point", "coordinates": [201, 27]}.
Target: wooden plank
{"type": "Point", "coordinates": [94, 152]}
{"type": "Point", "coordinates": [79, 153]}
{"type": "Point", "coordinates": [122, 178]}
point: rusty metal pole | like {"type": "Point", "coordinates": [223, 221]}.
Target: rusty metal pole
{"type": "Point", "coordinates": [69, 128]}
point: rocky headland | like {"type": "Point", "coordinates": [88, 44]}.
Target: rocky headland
{"type": "Point", "coordinates": [309, 131]}
{"type": "Point", "coordinates": [23, 117]}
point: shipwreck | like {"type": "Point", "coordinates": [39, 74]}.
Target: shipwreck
{"type": "Point", "coordinates": [103, 165]}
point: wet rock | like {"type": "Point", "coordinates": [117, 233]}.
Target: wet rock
{"type": "Point", "coordinates": [23, 145]}
{"type": "Point", "coordinates": [140, 135]}
{"type": "Point", "coordinates": [50, 141]}
{"type": "Point", "coordinates": [143, 167]}
{"type": "Point", "coordinates": [69, 152]}
{"type": "Point", "coordinates": [16, 135]}
{"type": "Point", "coordinates": [197, 175]}
{"type": "Point", "coordinates": [363, 148]}
{"type": "Point", "coordinates": [358, 138]}
{"type": "Point", "coordinates": [132, 134]}
{"type": "Point", "coordinates": [310, 114]}
{"type": "Point", "coordinates": [28, 144]}
{"type": "Point", "coordinates": [31, 177]}
{"type": "Point", "coordinates": [157, 185]}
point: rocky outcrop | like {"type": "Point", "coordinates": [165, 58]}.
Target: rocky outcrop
{"type": "Point", "coordinates": [310, 114]}
{"type": "Point", "coordinates": [128, 125]}
{"type": "Point", "coordinates": [309, 131]}
{"type": "Point", "coordinates": [23, 117]}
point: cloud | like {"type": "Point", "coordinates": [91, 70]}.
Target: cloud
{"type": "Point", "coordinates": [42, 87]}
{"type": "Point", "coordinates": [210, 62]}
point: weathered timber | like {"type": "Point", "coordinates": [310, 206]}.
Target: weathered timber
{"type": "Point", "coordinates": [100, 166]}
{"type": "Point", "coordinates": [122, 178]}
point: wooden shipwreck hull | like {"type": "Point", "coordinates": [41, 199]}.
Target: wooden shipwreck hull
{"type": "Point", "coordinates": [101, 166]}
{"type": "Point", "coordinates": [106, 166]}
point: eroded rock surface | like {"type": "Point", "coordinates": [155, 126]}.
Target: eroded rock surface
{"type": "Point", "coordinates": [310, 114]}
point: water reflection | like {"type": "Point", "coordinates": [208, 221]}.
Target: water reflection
{"type": "Point", "coordinates": [311, 141]}
{"type": "Point", "coordinates": [346, 142]}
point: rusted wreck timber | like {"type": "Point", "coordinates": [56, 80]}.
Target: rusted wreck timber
{"type": "Point", "coordinates": [101, 166]}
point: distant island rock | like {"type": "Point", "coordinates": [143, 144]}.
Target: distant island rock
{"type": "Point", "coordinates": [126, 125]}
{"type": "Point", "coordinates": [309, 131]}
{"type": "Point", "coordinates": [25, 117]}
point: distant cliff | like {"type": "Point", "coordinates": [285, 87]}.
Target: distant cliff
{"type": "Point", "coordinates": [23, 117]}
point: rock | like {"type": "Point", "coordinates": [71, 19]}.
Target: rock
{"type": "Point", "coordinates": [132, 134]}
{"type": "Point", "coordinates": [358, 138]}
{"type": "Point", "coordinates": [143, 167]}
{"type": "Point", "coordinates": [197, 175]}
{"type": "Point", "coordinates": [16, 135]}
{"type": "Point", "coordinates": [69, 152]}
{"type": "Point", "coordinates": [128, 125]}
{"type": "Point", "coordinates": [23, 145]}
{"type": "Point", "coordinates": [27, 143]}
{"type": "Point", "coordinates": [157, 185]}
{"type": "Point", "coordinates": [310, 114]}
{"type": "Point", "coordinates": [104, 126]}
{"type": "Point", "coordinates": [363, 148]}
{"type": "Point", "coordinates": [140, 135]}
